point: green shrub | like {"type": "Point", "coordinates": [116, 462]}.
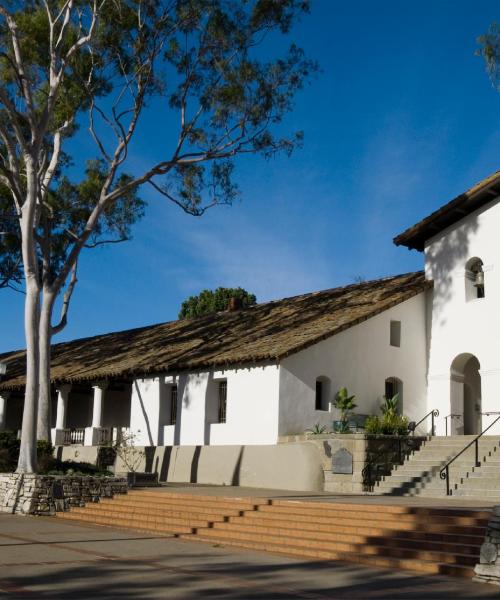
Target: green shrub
{"type": "Point", "coordinates": [388, 424]}
{"type": "Point", "coordinates": [373, 425]}
{"type": "Point", "coordinates": [47, 463]}
{"type": "Point", "coordinates": [69, 467]}
{"type": "Point", "coordinates": [9, 451]}
{"type": "Point", "coordinates": [45, 456]}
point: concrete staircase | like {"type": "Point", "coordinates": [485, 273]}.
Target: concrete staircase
{"type": "Point", "coordinates": [422, 539]}
{"type": "Point", "coordinates": [419, 474]}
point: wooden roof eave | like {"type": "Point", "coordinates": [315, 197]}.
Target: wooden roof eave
{"type": "Point", "coordinates": [414, 237]}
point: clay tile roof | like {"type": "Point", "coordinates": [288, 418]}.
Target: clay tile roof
{"type": "Point", "coordinates": [461, 206]}
{"type": "Point", "coordinates": [265, 332]}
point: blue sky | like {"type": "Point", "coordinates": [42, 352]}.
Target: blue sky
{"type": "Point", "coordinates": [401, 119]}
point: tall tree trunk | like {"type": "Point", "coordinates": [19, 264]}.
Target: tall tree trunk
{"type": "Point", "coordinates": [27, 453]}
{"type": "Point", "coordinates": [45, 395]}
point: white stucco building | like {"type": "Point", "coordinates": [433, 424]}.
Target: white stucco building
{"type": "Point", "coordinates": [254, 375]}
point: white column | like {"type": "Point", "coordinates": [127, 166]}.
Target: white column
{"type": "Point", "coordinates": [99, 390]}
{"type": "Point", "coordinates": [62, 405]}
{"type": "Point", "coordinates": [4, 396]}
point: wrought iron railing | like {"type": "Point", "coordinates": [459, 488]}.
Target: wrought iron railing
{"type": "Point", "coordinates": [432, 414]}
{"type": "Point", "coordinates": [450, 416]}
{"type": "Point", "coordinates": [445, 471]}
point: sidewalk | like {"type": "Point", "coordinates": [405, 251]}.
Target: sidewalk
{"type": "Point", "coordinates": [45, 558]}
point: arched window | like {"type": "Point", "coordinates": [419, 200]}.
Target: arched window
{"type": "Point", "coordinates": [394, 386]}
{"type": "Point", "coordinates": [474, 279]}
{"type": "Point", "coordinates": [323, 392]}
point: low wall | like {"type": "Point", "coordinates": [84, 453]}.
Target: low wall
{"type": "Point", "coordinates": [284, 466]}
{"type": "Point", "coordinates": [304, 465]}
{"type": "Point", "coordinates": [46, 494]}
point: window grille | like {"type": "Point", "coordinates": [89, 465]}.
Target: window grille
{"type": "Point", "coordinates": [222, 401]}
{"type": "Point", "coordinates": [173, 405]}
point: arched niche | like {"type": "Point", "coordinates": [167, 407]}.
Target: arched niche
{"type": "Point", "coordinates": [465, 395]}
{"type": "Point", "coordinates": [394, 385]}
{"type": "Point", "coordinates": [474, 279]}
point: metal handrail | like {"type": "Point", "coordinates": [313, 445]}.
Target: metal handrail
{"type": "Point", "coordinates": [445, 471]}
{"type": "Point", "coordinates": [453, 416]}
{"type": "Point", "coordinates": [433, 414]}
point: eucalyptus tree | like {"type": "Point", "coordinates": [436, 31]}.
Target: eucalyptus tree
{"type": "Point", "coordinates": [75, 69]}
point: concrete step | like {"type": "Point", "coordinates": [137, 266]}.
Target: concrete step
{"type": "Point", "coordinates": [424, 539]}
{"type": "Point", "coordinates": [127, 523]}
{"type": "Point", "coordinates": [332, 546]}
{"type": "Point", "coordinates": [338, 527]}
{"type": "Point", "coordinates": [415, 543]}
{"type": "Point", "coordinates": [369, 560]}
{"type": "Point", "coordinates": [143, 499]}
{"type": "Point", "coordinates": [187, 519]}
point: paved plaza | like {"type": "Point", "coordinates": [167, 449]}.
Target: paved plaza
{"type": "Point", "coordinates": [42, 557]}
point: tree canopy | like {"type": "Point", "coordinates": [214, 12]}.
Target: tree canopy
{"type": "Point", "coordinates": [86, 70]}
{"type": "Point", "coordinates": [211, 301]}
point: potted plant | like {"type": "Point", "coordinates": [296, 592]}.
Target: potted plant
{"type": "Point", "coordinates": [346, 405]}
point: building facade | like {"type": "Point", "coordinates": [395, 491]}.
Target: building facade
{"type": "Point", "coordinates": [253, 376]}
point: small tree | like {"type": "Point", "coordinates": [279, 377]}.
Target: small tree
{"type": "Point", "coordinates": [210, 301]}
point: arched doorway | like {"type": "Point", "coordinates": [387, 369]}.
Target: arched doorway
{"type": "Point", "coordinates": [465, 395]}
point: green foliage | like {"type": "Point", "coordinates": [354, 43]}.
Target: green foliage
{"type": "Point", "coordinates": [344, 403]}
{"type": "Point", "coordinates": [69, 467]}
{"type": "Point", "coordinates": [199, 58]}
{"type": "Point", "coordinates": [489, 50]}
{"type": "Point", "coordinates": [317, 429]}
{"type": "Point", "coordinates": [387, 424]}
{"type": "Point", "coordinates": [390, 405]}
{"type": "Point", "coordinates": [45, 456]}
{"type": "Point", "coordinates": [211, 301]}
{"type": "Point", "coordinates": [9, 451]}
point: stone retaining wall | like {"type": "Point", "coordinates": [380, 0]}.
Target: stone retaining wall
{"type": "Point", "coordinates": [488, 568]}
{"type": "Point", "coordinates": [46, 494]}
{"type": "Point", "coordinates": [381, 452]}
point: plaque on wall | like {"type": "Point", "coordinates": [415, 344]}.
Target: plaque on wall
{"type": "Point", "coordinates": [342, 462]}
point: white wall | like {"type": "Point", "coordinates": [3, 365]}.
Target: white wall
{"type": "Point", "coordinates": [252, 408]}
{"type": "Point", "coordinates": [360, 358]}
{"type": "Point", "coordinates": [279, 466]}
{"type": "Point", "coordinates": [459, 326]}
{"type": "Point", "coordinates": [145, 411]}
